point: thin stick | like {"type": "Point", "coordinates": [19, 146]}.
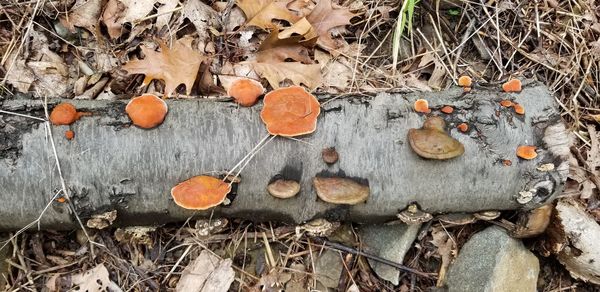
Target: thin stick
{"type": "Point", "coordinates": [250, 158]}
{"type": "Point", "coordinates": [22, 115]}
{"type": "Point", "coordinates": [246, 157]}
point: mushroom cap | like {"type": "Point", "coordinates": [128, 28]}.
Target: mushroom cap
{"type": "Point", "coordinates": [64, 114]}
{"type": "Point", "coordinates": [519, 109]}
{"type": "Point", "coordinates": [464, 81]}
{"type": "Point", "coordinates": [283, 188]}
{"type": "Point", "coordinates": [447, 109]}
{"type": "Point", "coordinates": [245, 91]}
{"type": "Point", "coordinates": [506, 103]}
{"type": "Point", "coordinates": [457, 218]}
{"type": "Point", "coordinates": [69, 134]}
{"type": "Point", "coordinates": [463, 127]}
{"type": "Point", "coordinates": [513, 85]}
{"type": "Point", "coordinates": [527, 152]}
{"type": "Point", "coordinates": [290, 111]}
{"type": "Point", "coordinates": [200, 192]}
{"type": "Point", "coordinates": [432, 142]}
{"type": "Point", "coordinates": [147, 111]}
{"type": "Point", "coordinates": [339, 190]}
{"type": "Point", "coordinates": [487, 215]}
{"type": "Point", "coordinates": [422, 106]}
{"type": "Point", "coordinates": [412, 215]}
{"type": "Point", "coordinates": [330, 155]}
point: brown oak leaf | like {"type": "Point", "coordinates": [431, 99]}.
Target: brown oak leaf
{"type": "Point", "coordinates": [324, 17]}
{"type": "Point", "coordinates": [277, 48]}
{"type": "Point", "coordinates": [298, 73]}
{"type": "Point", "coordinates": [261, 13]}
{"type": "Point", "coordinates": [174, 66]}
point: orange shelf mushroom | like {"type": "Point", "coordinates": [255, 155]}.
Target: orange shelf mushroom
{"type": "Point", "coordinates": [69, 134]}
{"type": "Point", "coordinates": [506, 103]}
{"type": "Point", "coordinates": [65, 114]}
{"type": "Point", "coordinates": [447, 109]}
{"type": "Point", "coordinates": [519, 109]}
{"type": "Point", "coordinates": [422, 106]}
{"type": "Point", "coordinates": [465, 81]}
{"type": "Point", "coordinates": [200, 192]}
{"type": "Point", "coordinates": [245, 91]}
{"type": "Point", "coordinates": [526, 152]}
{"type": "Point", "coordinates": [463, 127]}
{"type": "Point", "coordinates": [290, 111]}
{"type": "Point", "coordinates": [513, 85]}
{"type": "Point", "coordinates": [147, 111]}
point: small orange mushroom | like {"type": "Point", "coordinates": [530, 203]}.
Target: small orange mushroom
{"type": "Point", "coordinates": [519, 109]}
{"type": "Point", "coordinates": [290, 111]}
{"type": "Point", "coordinates": [61, 199]}
{"type": "Point", "coordinates": [69, 134]}
{"type": "Point", "coordinates": [464, 81]}
{"type": "Point", "coordinates": [65, 114]}
{"type": "Point", "coordinates": [200, 192]}
{"type": "Point", "coordinates": [147, 111]}
{"type": "Point", "coordinates": [245, 91]}
{"type": "Point", "coordinates": [467, 89]}
{"type": "Point", "coordinates": [513, 85]}
{"type": "Point", "coordinates": [506, 103]}
{"type": "Point", "coordinates": [506, 162]}
{"type": "Point", "coordinates": [422, 106]}
{"type": "Point", "coordinates": [447, 109]}
{"type": "Point", "coordinates": [463, 127]}
{"type": "Point", "coordinates": [527, 152]}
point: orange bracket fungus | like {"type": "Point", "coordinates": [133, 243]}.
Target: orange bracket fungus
{"type": "Point", "coordinates": [339, 190]}
{"type": "Point", "coordinates": [283, 188]}
{"type": "Point", "coordinates": [290, 112]}
{"type": "Point", "coordinates": [506, 103]}
{"type": "Point", "coordinates": [200, 192]}
{"type": "Point", "coordinates": [447, 109]}
{"type": "Point", "coordinates": [65, 114]}
{"type": "Point", "coordinates": [464, 81]}
{"type": "Point", "coordinates": [513, 85]}
{"type": "Point", "coordinates": [527, 152]}
{"type": "Point", "coordinates": [433, 142]}
{"type": "Point", "coordinates": [422, 106]}
{"type": "Point", "coordinates": [147, 111]}
{"type": "Point", "coordinates": [245, 91]}
{"type": "Point", "coordinates": [463, 127]}
{"type": "Point", "coordinates": [69, 134]}
{"type": "Point", "coordinates": [519, 109]}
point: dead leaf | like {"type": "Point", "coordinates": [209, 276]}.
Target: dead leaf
{"type": "Point", "coordinates": [164, 12]}
{"type": "Point", "coordinates": [95, 280]}
{"type": "Point", "coordinates": [298, 73]}
{"type": "Point", "coordinates": [337, 72]}
{"type": "Point", "coordinates": [110, 17]}
{"type": "Point", "coordinates": [84, 13]}
{"type": "Point", "coordinates": [176, 65]}
{"type": "Point", "coordinates": [101, 221]}
{"type": "Point", "coordinates": [231, 72]}
{"type": "Point", "coordinates": [125, 11]}
{"type": "Point", "coordinates": [18, 74]}
{"type": "Point", "coordinates": [445, 248]}
{"type": "Point", "coordinates": [261, 13]}
{"type": "Point", "coordinates": [206, 273]}
{"type": "Point", "coordinates": [202, 16]}
{"type": "Point", "coordinates": [275, 49]}
{"type": "Point", "coordinates": [324, 17]}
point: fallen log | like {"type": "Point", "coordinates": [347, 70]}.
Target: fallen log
{"type": "Point", "coordinates": [112, 165]}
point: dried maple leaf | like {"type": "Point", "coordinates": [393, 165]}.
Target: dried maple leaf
{"type": "Point", "coordinates": [324, 17]}
{"type": "Point", "coordinates": [298, 73]}
{"type": "Point", "coordinates": [174, 66]}
{"type": "Point", "coordinates": [261, 13]}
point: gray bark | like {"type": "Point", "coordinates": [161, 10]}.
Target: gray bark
{"type": "Point", "coordinates": [111, 165]}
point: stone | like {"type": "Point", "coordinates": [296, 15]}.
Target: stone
{"type": "Point", "coordinates": [493, 261]}
{"type": "Point", "coordinates": [328, 268]}
{"type": "Point", "coordinates": [390, 242]}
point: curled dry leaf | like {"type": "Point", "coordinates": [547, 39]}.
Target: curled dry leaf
{"type": "Point", "coordinates": [94, 280]}
{"type": "Point", "coordinates": [324, 17]}
{"type": "Point", "coordinates": [308, 75]}
{"type": "Point", "coordinates": [84, 13]}
{"type": "Point", "coordinates": [176, 65]}
{"type": "Point", "coordinates": [206, 273]}
{"type": "Point", "coordinates": [277, 48]}
{"type": "Point", "coordinates": [261, 13]}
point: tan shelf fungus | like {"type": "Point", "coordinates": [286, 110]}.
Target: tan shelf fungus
{"type": "Point", "coordinates": [283, 188]}
{"type": "Point", "coordinates": [432, 141]}
{"type": "Point", "coordinates": [338, 190]}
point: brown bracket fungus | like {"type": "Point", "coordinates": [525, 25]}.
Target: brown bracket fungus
{"type": "Point", "coordinates": [147, 111]}
{"type": "Point", "coordinates": [245, 91]}
{"type": "Point", "coordinates": [339, 190]}
{"type": "Point", "coordinates": [65, 114]}
{"type": "Point", "coordinates": [283, 188]}
{"type": "Point", "coordinates": [433, 142]}
{"type": "Point", "coordinates": [200, 192]}
{"type": "Point", "coordinates": [487, 215]}
{"type": "Point", "coordinates": [412, 215]}
{"type": "Point", "coordinates": [290, 111]}
{"type": "Point", "coordinates": [330, 155]}
{"type": "Point", "coordinates": [456, 219]}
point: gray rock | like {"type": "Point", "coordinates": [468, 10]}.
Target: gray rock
{"type": "Point", "coordinates": [493, 261]}
{"type": "Point", "coordinates": [328, 268]}
{"type": "Point", "coordinates": [390, 242]}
